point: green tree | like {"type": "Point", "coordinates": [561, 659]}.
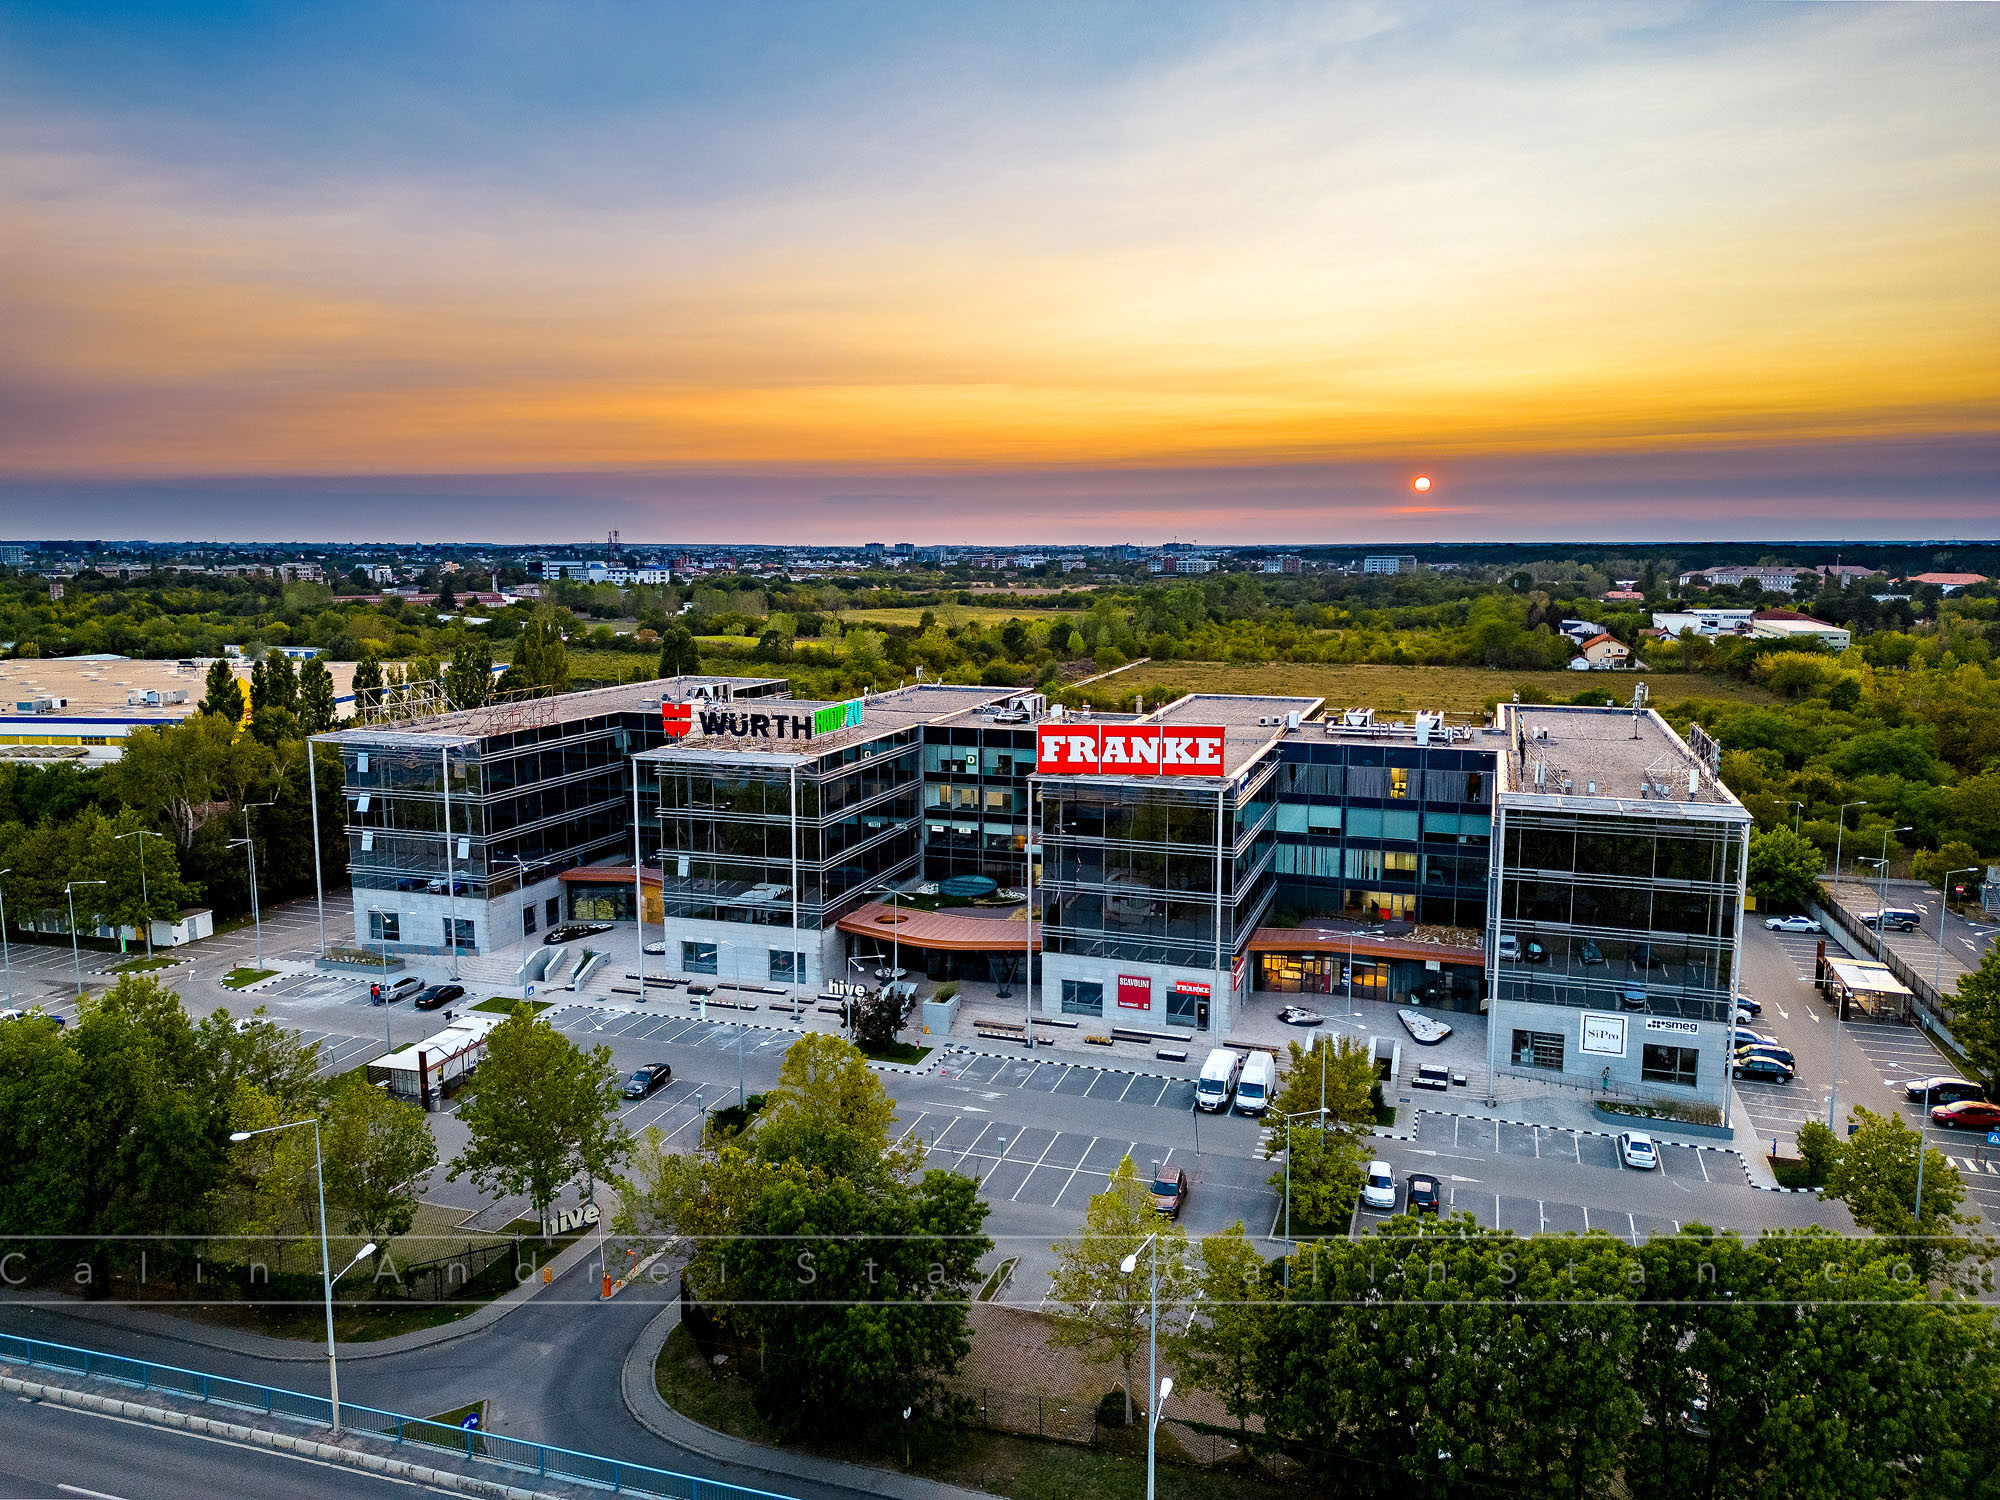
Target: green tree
{"type": "Point", "coordinates": [446, 599]}
{"type": "Point", "coordinates": [319, 709]}
{"type": "Point", "coordinates": [220, 695]}
{"type": "Point", "coordinates": [680, 656]}
{"type": "Point", "coordinates": [468, 681]}
{"type": "Point", "coordinates": [829, 1112]}
{"type": "Point", "coordinates": [376, 1147]}
{"type": "Point", "coordinates": [1337, 1073]}
{"type": "Point", "coordinates": [540, 657]}
{"type": "Point", "coordinates": [1933, 865]}
{"type": "Point", "coordinates": [1100, 1307]}
{"type": "Point", "coordinates": [1975, 1014]}
{"type": "Point", "coordinates": [1233, 1298]}
{"type": "Point", "coordinates": [367, 685]}
{"type": "Point", "coordinates": [1326, 1168]}
{"type": "Point", "coordinates": [540, 1112]}
{"type": "Point", "coordinates": [1874, 1172]}
{"type": "Point", "coordinates": [1784, 867]}
{"type": "Point", "coordinates": [857, 1290]}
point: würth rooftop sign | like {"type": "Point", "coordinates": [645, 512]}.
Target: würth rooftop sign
{"type": "Point", "coordinates": [681, 719]}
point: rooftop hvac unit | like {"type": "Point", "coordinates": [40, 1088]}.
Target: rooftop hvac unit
{"type": "Point", "coordinates": [1590, 789]}
{"type": "Point", "coordinates": [1428, 724]}
{"type": "Point", "coordinates": [1694, 781]}
{"type": "Point", "coordinates": [1294, 719]}
{"type": "Point", "coordinates": [1358, 718]}
{"type": "Point", "coordinates": [1264, 719]}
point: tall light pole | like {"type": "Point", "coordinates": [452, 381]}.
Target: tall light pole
{"type": "Point", "coordinates": [1840, 827]}
{"type": "Point", "coordinates": [1882, 892]}
{"type": "Point", "coordinates": [249, 842]}
{"type": "Point", "coordinates": [1797, 815]}
{"type": "Point", "coordinates": [1157, 1390]}
{"type": "Point", "coordinates": [1937, 964]}
{"type": "Point", "coordinates": [325, 1266]}
{"type": "Point", "coordinates": [142, 834]}
{"type": "Point", "coordinates": [76, 953]}
{"type": "Point", "coordinates": [6, 958]}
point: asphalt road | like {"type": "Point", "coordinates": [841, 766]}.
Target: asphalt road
{"type": "Point", "coordinates": [62, 1453]}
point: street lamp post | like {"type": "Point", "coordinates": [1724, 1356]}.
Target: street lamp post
{"type": "Point", "coordinates": [1840, 833]}
{"type": "Point", "coordinates": [1155, 1387]}
{"type": "Point", "coordinates": [76, 953]}
{"type": "Point", "coordinates": [142, 834]}
{"type": "Point", "coordinates": [6, 958]}
{"type": "Point", "coordinates": [1797, 815]}
{"type": "Point", "coordinates": [249, 842]}
{"type": "Point", "coordinates": [327, 1277]}
{"type": "Point", "coordinates": [1937, 964]}
{"type": "Point", "coordinates": [1882, 892]}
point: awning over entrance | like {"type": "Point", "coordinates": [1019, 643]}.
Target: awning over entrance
{"type": "Point", "coordinates": [942, 931]}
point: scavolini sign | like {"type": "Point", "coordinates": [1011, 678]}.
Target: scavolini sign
{"type": "Point", "coordinates": [1129, 749]}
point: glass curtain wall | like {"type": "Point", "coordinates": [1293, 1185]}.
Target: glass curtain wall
{"type": "Point", "coordinates": [975, 802]}
{"type": "Point", "coordinates": [1608, 912]}
{"type": "Point", "coordinates": [1376, 832]}
{"type": "Point", "coordinates": [726, 832]}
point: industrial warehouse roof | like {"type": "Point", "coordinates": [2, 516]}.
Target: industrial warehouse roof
{"type": "Point", "coordinates": [471, 724]}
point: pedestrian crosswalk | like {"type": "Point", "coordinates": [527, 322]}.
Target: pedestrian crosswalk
{"type": "Point", "coordinates": [1975, 1166]}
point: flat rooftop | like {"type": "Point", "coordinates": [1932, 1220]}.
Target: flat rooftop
{"type": "Point", "coordinates": [881, 713]}
{"type": "Point", "coordinates": [470, 724]}
{"type": "Point", "coordinates": [97, 688]}
{"type": "Point", "coordinates": [1603, 754]}
{"type": "Point", "coordinates": [1250, 722]}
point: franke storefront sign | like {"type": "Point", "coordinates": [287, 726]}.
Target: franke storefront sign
{"type": "Point", "coordinates": [681, 719]}
{"type": "Point", "coordinates": [1129, 749]}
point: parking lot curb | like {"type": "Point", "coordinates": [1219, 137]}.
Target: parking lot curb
{"type": "Point", "coordinates": [262, 1437]}
{"type": "Point", "coordinates": [1073, 1059]}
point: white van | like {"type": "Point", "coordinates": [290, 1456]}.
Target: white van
{"type": "Point", "coordinates": [1255, 1085]}
{"type": "Point", "coordinates": [1218, 1079]}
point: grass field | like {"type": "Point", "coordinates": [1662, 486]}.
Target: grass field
{"type": "Point", "coordinates": [953, 614]}
{"type": "Point", "coordinates": [1461, 690]}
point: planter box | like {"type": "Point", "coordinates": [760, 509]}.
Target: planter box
{"type": "Point", "coordinates": [1653, 1126]}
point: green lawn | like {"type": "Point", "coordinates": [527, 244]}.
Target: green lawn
{"type": "Point", "coordinates": [140, 965]}
{"type": "Point", "coordinates": [237, 979]}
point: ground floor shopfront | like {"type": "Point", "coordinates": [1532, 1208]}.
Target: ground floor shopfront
{"type": "Point", "coordinates": [1398, 971]}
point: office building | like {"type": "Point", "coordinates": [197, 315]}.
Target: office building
{"type": "Point", "coordinates": [1575, 874]}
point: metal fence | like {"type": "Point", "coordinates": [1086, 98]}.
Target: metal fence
{"type": "Point", "coordinates": [539, 1459]}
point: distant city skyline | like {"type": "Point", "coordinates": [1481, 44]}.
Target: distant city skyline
{"type": "Point", "coordinates": [1678, 272]}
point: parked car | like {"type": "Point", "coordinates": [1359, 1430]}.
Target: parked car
{"type": "Point", "coordinates": [1753, 1007]}
{"type": "Point", "coordinates": [389, 992]}
{"type": "Point", "coordinates": [1378, 1190]}
{"type": "Point", "coordinates": [1170, 1190]}
{"type": "Point", "coordinates": [1255, 1083]}
{"type": "Point", "coordinates": [1763, 1069]}
{"type": "Point", "coordinates": [1968, 1114]}
{"type": "Point", "coordinates": [1217, 1084]}
{"type": "Point", "coordinates": [1510, 949]}
{"type": "Point", "coordinates": [438, 995]}
{"type": "Point", "coordinates": [1421, 1194]}
{"type": "Point", "coordinates": [569, 932]}
{"type": "Point", "coordinates": [1893, 919]}
{"type": "Point", "coordinates": [1636, 1150]}
{"type": "Point", "coordinates": [1781, 1055]}
{"type": "Point", "coordinates": [648, 1079]}
{"type": "Point", "coordinates": [1745, 1037]}
{"type": "Point", "coordinates": [1946, 1088]}
{"type": "Point", "coordinates": [37, 1014]}
{"type": "Point", "coordinates": [1791, 924]}
{"type": "Point", "coordinates": [1534, 953]}
{"type": "Point", "coordinates": [1589, 953]}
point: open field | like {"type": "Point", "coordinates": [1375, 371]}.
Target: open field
{"type": "Point", "coordinates": [953, 614]}
{"type": "Point", "coordinates": [1461, 690]}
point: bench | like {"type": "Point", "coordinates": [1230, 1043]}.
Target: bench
{"type": "Point", "coordinates": [1133, 1034]}
{"type": "Point", "coordinates": [1056, 1021]}
{"type": "Point", "coordinates": [1170, 1054]}
{"type": "Point", "coordinates": [1001, 1031]}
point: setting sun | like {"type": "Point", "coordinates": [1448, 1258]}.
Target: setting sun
{"type": "Point", "coordinates": [1421, 484]}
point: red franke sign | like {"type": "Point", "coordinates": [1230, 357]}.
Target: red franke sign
{"type": "Point", "coordinates": [1129, 749]}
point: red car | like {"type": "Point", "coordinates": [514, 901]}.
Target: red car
{"type": "Point", "coordinates": [1968, 1114]}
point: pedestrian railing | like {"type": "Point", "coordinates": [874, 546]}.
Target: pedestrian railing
{"type": "Point", "coordinates": [539, 1459]}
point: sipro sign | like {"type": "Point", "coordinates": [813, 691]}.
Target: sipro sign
{"type": "Point", "coordinates": [1129, 749]}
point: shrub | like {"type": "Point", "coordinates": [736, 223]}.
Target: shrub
{"type": "Point", "coordinates": [1111, 1409]}
{"type": "Point", "coordinates": [946, 990]}
{"type": "Point", "coordinates": [1818, 1148]}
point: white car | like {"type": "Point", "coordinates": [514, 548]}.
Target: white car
{"type": "Point", "coordinates": [1636, 1149]}
{"type": "Point", "coordinates": [1791, 924]}
{"type": "Point", "coordinates": [1379, 1191]}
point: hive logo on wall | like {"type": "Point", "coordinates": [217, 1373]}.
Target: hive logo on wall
{"type": "Point", "coordinates": [1129, 749]}
{"type": "Point", "coordinates": [682, 719]}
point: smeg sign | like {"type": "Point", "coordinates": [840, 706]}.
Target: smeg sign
{"type": "Point", "coordinates": [1129, 749]}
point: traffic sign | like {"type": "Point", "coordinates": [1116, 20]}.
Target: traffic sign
{"type": "Point", "coordinates": [1993, 1137]}
{"type": "Point", "coordinates": [471, 1421]}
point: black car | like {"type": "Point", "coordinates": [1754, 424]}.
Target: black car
{"type": "Point", "coordinates": [439, 995]}
{"type": "Point", "coordinates": [1534, 953]}
{"type": "Point", "coordinates": [647, 1080]}
{"type": "Point", "coordinates": [1945, 1089]}
{"type": "Point", "coordinates": [1423, 1197]}
{"type": "Point", "coordinates": [569, 932]}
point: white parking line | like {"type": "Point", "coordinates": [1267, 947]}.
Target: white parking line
{"type": "Point", "coordinates": [1128, 1087]}
{"type": "Point", "coordinates": [1038, 1161]}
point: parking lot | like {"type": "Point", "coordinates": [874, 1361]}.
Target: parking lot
{"type": "Point", "coordinates": [1535, 1179]}
{"type": "Point", "coordinates": [1038, 1076]}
